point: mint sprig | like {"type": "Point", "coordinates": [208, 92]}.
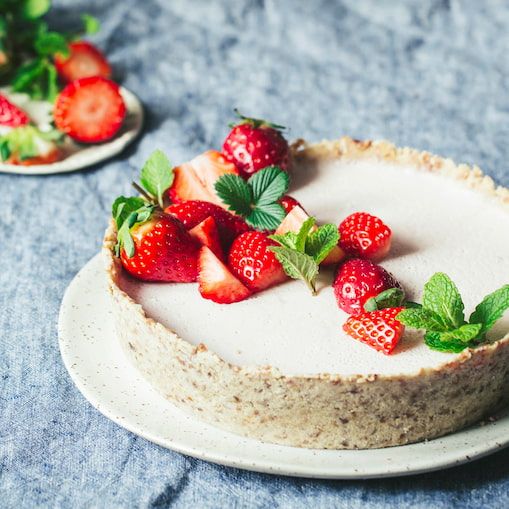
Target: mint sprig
{"type": "Point", "coordinates": [442, 315]}
{"type": "Point", "coordinates": [300, 253]}
{"type": "Point", "coordinates": [257, 198]}
{"type": "Point", "coordinates": [25, 141]}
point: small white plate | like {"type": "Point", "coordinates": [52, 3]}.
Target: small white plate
{"type": "Point", "coordinates": [98, 367]}
{"type": "Point", "coordinates": [79, 156]}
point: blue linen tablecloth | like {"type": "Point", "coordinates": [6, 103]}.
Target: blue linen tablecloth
{"type": "Point", "coordinates": [430, 74]}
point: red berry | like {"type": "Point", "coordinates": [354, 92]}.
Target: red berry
{"type": "Point", "coordinates": [255, 144]}
{"type": "Point", "coordinates": [216, 282]}
{"type": "Point", "coordinates": [358, 280]}
{"type": "Point", "coordinates": [90, 110]}
{"type": "Point", "coordinates": [11, 115]}
{"type": "Point", "coordinates": [206, 234]}
{"type": "Point", "coordinates": [379, 329]}
{"type": "Point", "coordinates": [163, 251]}
{"type": "Point", "coordinates": [85, 60]}
{"type": "Point", "coordinates": [289, 203]}
{"type": "Point", "coordinates": [365, 236]}
{"type": "Point", "coordinates": [253, 263]}
{"type": "Point", "coordinates": [193, 212]}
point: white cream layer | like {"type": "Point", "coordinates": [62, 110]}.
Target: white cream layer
{"type": "Point", "coordinates": [438, 225]}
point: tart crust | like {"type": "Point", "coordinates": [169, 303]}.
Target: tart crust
{"type": "Point", "coordinates": [322, 411]}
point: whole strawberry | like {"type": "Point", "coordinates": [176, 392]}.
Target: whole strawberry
{"type": "Point", "coordinates": [364, 236]}
{"type": "Point", "coordinates": [251, 260]}
{"type": "Point", "coordinates": [254, 144]}
{"type": "Point", "coordinates": [357, 281]}
{"type": "Point", "coordinates": [378, 329]}
{"type": "Point", "coordinates": [161, 250]}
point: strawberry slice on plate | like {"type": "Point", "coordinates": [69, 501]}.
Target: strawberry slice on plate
{"type": "Point", "coordinates": [11, 115]}
{"type": "Point", "coordinates": [90, 110]}
{"type": "Point", "coordinates": [85, 60]}
{"type": "Point", "coordinates": [379, 329]}
{"type": "Point", "coordinates": [206, 234]}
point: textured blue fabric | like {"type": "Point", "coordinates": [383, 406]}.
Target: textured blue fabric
{"type": "Point", "coordinates": [430, 74]}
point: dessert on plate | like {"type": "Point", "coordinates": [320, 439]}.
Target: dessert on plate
{"type": "Point", "coordinates": [339, 295]}
{"type": "Point", "coordinates": [56, 89]}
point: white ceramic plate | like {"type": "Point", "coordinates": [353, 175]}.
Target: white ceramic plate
{"type": "Point", "coordinates": [82, 156]}
{"type": "Point", "coordinates": [97, 365]}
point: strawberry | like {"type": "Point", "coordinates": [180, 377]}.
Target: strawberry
{"type": "Point", "coordinates": [90, 110]}
{"type": "Point", "coordinates": [193, 212]}
{"type": "Point", "coordinates": [358, 280]}
{"type": "Point", "coordinates": [216, 282]}
{"type": "Point", "coordinates": [11, 115]}
{"type": "Point", "coordinates": [195, 179]}
{"type": "Point", "coordinates": [84, 60]}
{"type": "Point", "coordinates": [163, 250]}
{"type": "Point", "coordinates": [288, 203]}
{"type": "Point", "coordinates": [365, 236]}
{"type": "Point", "coordinates": [253, 263]}
{"type": "Point", "coordinates": [378, 329]}
{"type": "Point", "coordinates": [254, 144]}
{"type": "Point", "coordinates": [206, 234]}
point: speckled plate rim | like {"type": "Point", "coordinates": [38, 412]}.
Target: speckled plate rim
{"type": "Point", "coordinates": [99, 369]}
{"type": "Point", "coordinates": [88, 155]}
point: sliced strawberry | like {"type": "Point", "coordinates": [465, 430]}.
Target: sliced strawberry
{"type": "Point", "coordinates": [293, 222]}
{"type": "Point", "coordinates": [206, 234]}
{"type": "Point", "coordinates": [289, 202]}
{"type": "Point", "coordinates": [195, 179]}
{"type": "Point", "coordinates": [90, 110]}
{"type": "Point", "coordinates": [193, 212]}
{"type": "Point", "coordinates": [11, 115]}
{"type": "Point", "coordinates": [358, 280]}
{"type": "Point", "coordinates": [253, 263]}
{"type": "Point", "coordinates": [85, 60]}
{"type": "Point", "coordinates": [365, 236]}
{"type": "Point", "coordinates": [163, 250]}
{"type": "Point", "coordinates": [378, 329]}
{"type": "Point", "coordinates": [254, 144]}
{"type": "Point", "coordinates": [216, 282]}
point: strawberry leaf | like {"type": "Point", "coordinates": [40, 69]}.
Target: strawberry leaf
{"type": "Point", "coordinates": [157, 176]}
{"type": "Point", "coordinates": [297, 265]}
{"type": "Point", "coordinates": [255, 199]}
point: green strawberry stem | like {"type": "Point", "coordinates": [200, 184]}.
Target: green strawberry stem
{"type": "Point", "coordinates": [256, 123]}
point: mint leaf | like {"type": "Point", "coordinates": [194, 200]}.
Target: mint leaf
{"type": "Point", "coordinates": [255, 199]}
{"type": "Point", "coordinates": [321, 241]}
{"type": "Point", "coordinates": [297, 265]}
{"type": "Point", "coordinates": [422, 318]}
{"type": "Point", "coordinates": [434, 341]}
{"type": "Point", "coordinates": [33, 9]}
{"type": "Point", "coordinates": [465, 333]}
{"type": "Point", "coordinates": [50, 43]}
{"type": "Point", "coordinates": [442, 297]}
{"type": "Point", "coordinates": [491, 309]}
{"type": "Point", "coordinates": [91, 24]}
{"type": "Point", "coordinates": [157, 175]}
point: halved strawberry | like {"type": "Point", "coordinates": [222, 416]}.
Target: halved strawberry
{"type": "Point", "coordinates": [293, 222]}
{"type": "Point", "coordinates": [163, 250]}
{"type": "Point", "coordinates": [253, 263]}
{"type": "Point", "coordinates": [216, 282]}
{"type": "Point", "coordinates": [193, 212]}
{"type": "Point", "coordinates": [358, 280]}
{"type": "Point", "coordinates": [85, 60]}
{"type": "Point", "coordinates": [195, 179]}
{"type": "Point", "coordinates": [378, 329]}
{"type": "Point", "coordinates": [365, 236]}
{"type": "Point", "coordinates": [11, 115]}
{"type": "Point", "coordinates": [289, 202]}
{"type": "Point", "coordinates": [206, 234]}
{"type": "Point", "coordinates": [90, 110]}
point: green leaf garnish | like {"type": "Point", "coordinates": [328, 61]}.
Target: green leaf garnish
{"type": "Point", "coordinates": [157, 176]}
{"type": "Point", "coordinates": [442, 317]}
{"type": "Point", "coordinates": [301, 253]}
{"type": "Point", "coordinates": [25, 141]}
{"type": "Point", "coordinates": [91, 24]}
{"type": "Point", "coordinates": [255, 199]}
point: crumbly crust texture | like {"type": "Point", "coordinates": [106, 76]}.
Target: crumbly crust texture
{"type": "Point", "coordinates": [324, 411]}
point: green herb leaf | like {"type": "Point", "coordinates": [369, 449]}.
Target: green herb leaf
{"type": "Point", "coordinates": [442, 297]}
{"type": "Point", "coordinates": [33, 9]}
{"type": "Point", "coordinates": [157, 176]}
{"type": "Point", "coordinates": [321, 241]}
{"type": "Point", "coordinates": [297, 265]}
{"type": "Point", "coordinates": [422, 318]}
{"type": "Point", "coordinates": [491, 309]}
{"type": "Point", "coordinates": [434, 341]}
{"type": "Point", "coordinates": [91, 24]}
{"type": "Point", "coordinates": [256, 199]}
{"type": "Point", "coordinates": [465, 333]}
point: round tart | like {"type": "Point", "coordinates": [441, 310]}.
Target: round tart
{"type": "Point", "coordinates": [278, 367]}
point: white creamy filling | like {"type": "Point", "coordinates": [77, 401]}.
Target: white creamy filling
{"type": "Point", "coordinates": [438, 225]}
